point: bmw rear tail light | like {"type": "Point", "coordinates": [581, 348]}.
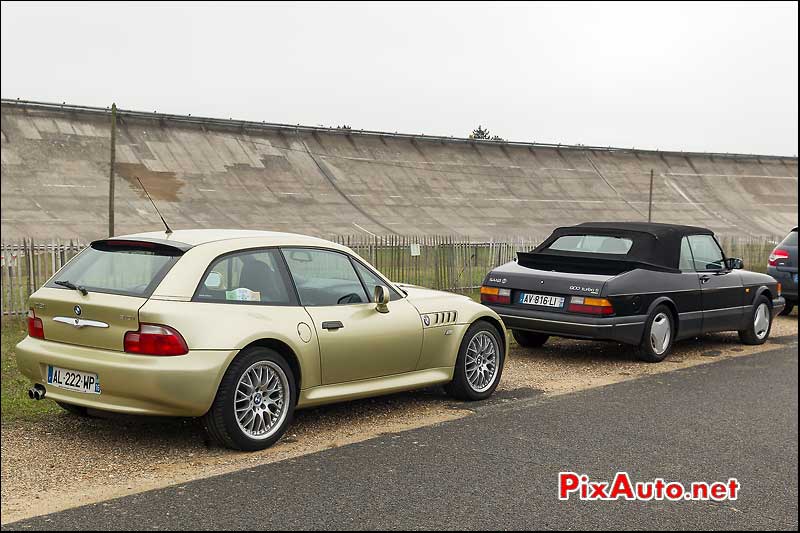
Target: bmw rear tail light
{"type": "Point", "coordinates": [495, 295]}
{"type": "Point", "coordinates": [590, 306]}
{"type": "Point", "coordinates": [777, 255]}
{"type": "Point", "coordinates": [35, 325]}
{"type": "Point", "coordinates": [155, 339]}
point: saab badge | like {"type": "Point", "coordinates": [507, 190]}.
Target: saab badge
{"type": "Point", "coordinates": [426, 320]}
{"type": "Point", "coordinates": [77, 310]}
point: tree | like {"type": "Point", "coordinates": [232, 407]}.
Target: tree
{"type": "Point", "coordinates": [481, 133]}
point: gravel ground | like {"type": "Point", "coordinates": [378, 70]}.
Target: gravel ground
{"type": "Point", "coordinates": [64, 461]}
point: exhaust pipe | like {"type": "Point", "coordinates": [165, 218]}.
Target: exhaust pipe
{"type": "Point", "coordinates": [37, 392]}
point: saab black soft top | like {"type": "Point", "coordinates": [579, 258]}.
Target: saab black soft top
{"type": "Point", "coordinates": [655, 246]}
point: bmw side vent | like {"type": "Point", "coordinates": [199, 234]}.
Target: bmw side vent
{"type": "Point", "coordinates": [442, 318]}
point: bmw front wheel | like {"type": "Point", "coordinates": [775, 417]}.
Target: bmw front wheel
{"type": "Point", "coordinates": [479, 363]}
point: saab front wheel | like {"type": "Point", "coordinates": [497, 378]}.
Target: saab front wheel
{"type": "Point", "coordinates": [760, 323]}
{"type": "Point", "coordinates": [529, 339]}
{"type": "Point", "coordinates": [479, 363]}
{"type": "Point", "coordinates": [254, 403]}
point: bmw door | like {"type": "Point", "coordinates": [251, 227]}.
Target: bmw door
{"type": "Point", "coordinates": [356, 341]}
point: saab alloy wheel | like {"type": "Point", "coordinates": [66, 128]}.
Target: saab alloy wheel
{"type": "Point", "coordinates": [254, 403]}
{"type": "Point", "coordinates": [659, 335]}
{"type": "Point", "coordinates": [760, 323]}
{"type": "Point", "coordinates": [479, 363]}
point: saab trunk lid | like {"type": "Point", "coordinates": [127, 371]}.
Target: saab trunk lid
{"type": "Point", "coordinates": [95, 298]}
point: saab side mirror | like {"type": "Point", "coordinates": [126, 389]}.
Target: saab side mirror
{"type": "Point", "coordinates": [734, 263]}
{"type": "Point", "coordinates": [382, 299]}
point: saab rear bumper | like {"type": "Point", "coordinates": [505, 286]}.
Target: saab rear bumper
{"type": "Point", "coordinates": [628, 329]}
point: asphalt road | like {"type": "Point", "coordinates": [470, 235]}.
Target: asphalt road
{"type": "Point", "coordinates": [498, 468]}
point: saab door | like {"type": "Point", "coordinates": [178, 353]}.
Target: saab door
{"type": "Point", "coordinates": [356, 341]}
{"type": "Point", "coordinates": [722, 294]}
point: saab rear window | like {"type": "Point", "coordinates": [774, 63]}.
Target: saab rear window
{"type": "Point", "coordinates": [790, 240]}
{"type": "Point", "coordinates": [129, 271]}
{"type": "Point", "coordinates": [595, 244]}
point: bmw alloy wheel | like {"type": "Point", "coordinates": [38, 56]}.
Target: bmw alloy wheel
{"type": "Point", "coordinates": [481, 361]}
{"type": "Point", "coordinates": [262, 401]}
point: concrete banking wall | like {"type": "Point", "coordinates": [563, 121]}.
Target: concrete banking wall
{"type": "Point", "coordinates": [232, 174]}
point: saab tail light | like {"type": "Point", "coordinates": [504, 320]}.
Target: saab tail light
{"type": "Point", "coordinates": [495, 295]}
{"type": "Point", "coordinates": [155, 339]}
{"type": "Point", "coordinates": [590, 306]}
{"type": "Point", "coordinates": [35, 325]}
{"type": "Point", "coordinates": [776, 255]}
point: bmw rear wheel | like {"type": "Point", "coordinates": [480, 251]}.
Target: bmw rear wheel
{"type": "Point", "coordinates": [760, 323]}
{"type": "Point", "coordinates": [254, 403]}
{"type": "Point", "coordinates": [479, 363]}
{"type": "Point", "coordinates": [659, 336]}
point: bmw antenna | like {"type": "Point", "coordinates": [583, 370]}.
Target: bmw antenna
{"type": "Point", "coordinates": [154, 206]}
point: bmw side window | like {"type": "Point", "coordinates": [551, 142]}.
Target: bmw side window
{"type": "Point", "coordinates": [256, 276]}
{"type": "Point", "coordinates": [371, 280]}
{"type": "Point", "coordinates": [707, 253]}
{"type": "Point", "coordinates": [324, 278]}
{"type": "Point", "coordinates": [686, 263]}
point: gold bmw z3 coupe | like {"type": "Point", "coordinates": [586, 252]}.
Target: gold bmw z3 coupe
{"type": "Point", "coordinates": [243, 327]}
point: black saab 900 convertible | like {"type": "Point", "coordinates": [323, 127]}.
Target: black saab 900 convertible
{"type": "Point", "coordinates": [637, 283]}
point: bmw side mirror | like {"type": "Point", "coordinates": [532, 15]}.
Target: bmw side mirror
{"type": "Point", "coordinates": [734, 263]}
{"type": "Point", "coordinates": [381, 299]}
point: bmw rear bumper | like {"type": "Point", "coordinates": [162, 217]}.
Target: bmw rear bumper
{"type": "Point", "coordinates": [628, 329]}
{"type": "Point", "coordinates": [182, 385]}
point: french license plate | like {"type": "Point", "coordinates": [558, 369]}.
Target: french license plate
{"type": "Point", "coordinates": [73, 380]}
{"type": "Point", "coordinates": [541, 299]}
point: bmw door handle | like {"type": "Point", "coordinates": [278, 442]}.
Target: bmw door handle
{"type": "Point", "coordinates": [332, 325]}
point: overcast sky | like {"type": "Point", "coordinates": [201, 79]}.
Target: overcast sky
{"type": "Point", "coordinates": [708, 77]}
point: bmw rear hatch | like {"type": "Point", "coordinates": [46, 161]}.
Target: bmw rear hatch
{"type": "Point", "coordinates": [95, 298]}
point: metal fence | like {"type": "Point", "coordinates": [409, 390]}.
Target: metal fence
{"type": "Point", "coordinates": [440, 262]}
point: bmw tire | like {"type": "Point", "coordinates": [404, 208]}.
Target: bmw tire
{"type": "Point", "coordinates": [479, 364]}
{"type": "Point", "coordinates": [254, 403]}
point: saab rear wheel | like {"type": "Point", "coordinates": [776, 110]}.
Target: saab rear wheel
{"type": "Point", "coordinates": [788, 309]}
{"type": "Point", "coordinates": [479, 363]}
{"type": "Point", "coordinates": [74, 409]}
{"type": "Point", "coordinates": [760, 323]}
{"type": "Point", "coordinates": [254, 403]}
{"type": "Point", "coordinates": [659, 335]}
{"type": "Point", "coordinates": [529, 339]}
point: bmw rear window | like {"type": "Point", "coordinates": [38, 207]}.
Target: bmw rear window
{"type": "Point", "coordinates": [117, 267]}
{"type": "Point", "coordinates": [791, 239]}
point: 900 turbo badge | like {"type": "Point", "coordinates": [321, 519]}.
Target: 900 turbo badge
{"type": "Point", "coordinates": [590, 290]}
